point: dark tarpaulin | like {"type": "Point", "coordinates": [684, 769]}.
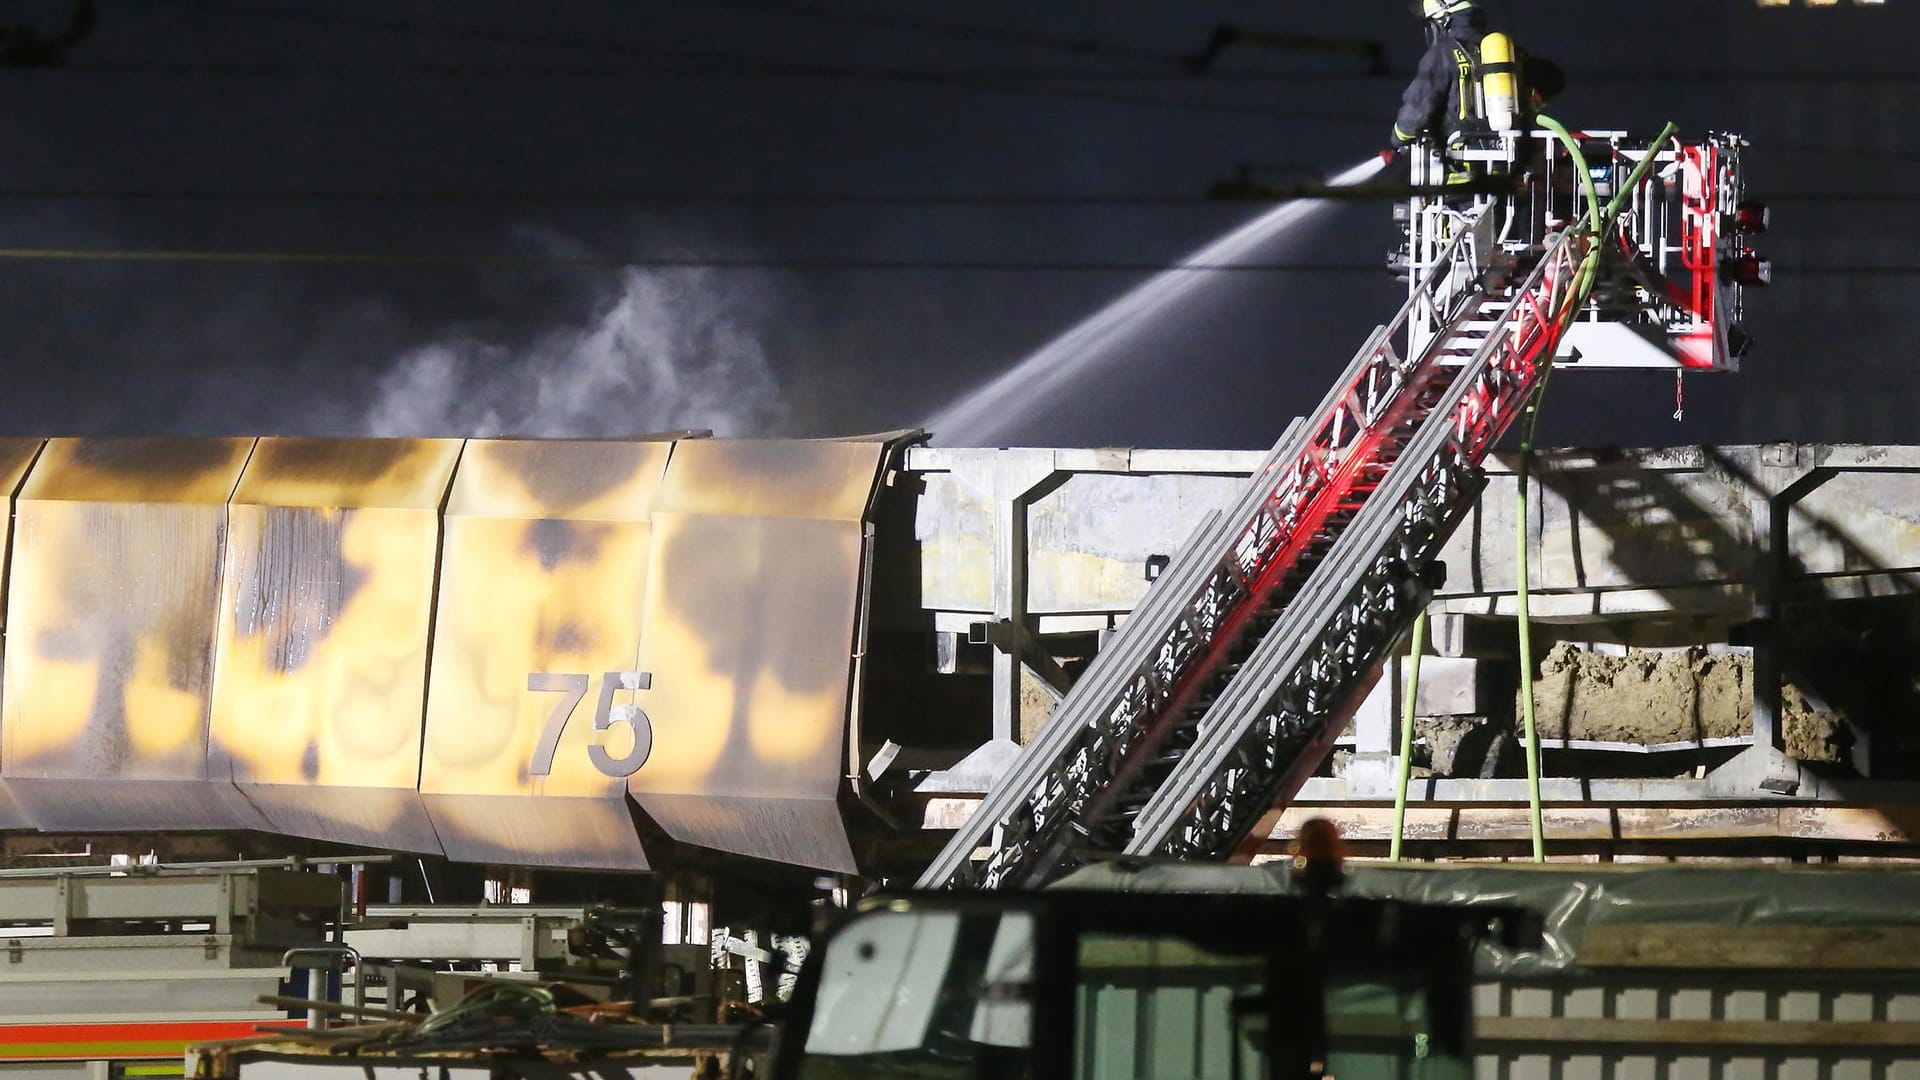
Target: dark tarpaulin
{"type": "Point", "coordinates": [1574, 899]}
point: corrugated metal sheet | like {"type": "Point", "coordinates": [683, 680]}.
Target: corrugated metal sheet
{"type": "Point", "coordinates": [543, 574]}
{"type": "Point", "coordinates": [326, 611]}
{"type": "Point", "coordinates": [114, 587]}
{"type": "Point", "coordinates": [749, 636]}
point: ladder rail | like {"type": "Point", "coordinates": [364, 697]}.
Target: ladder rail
{"type": "Point", "coordinates": [1111, 669]}
{"type": "Point", "coordinates": [1288, 568]}
{"type": "Point", "coordinates": [1093, 731]}
{"type": "Point", "coordinates": [1304, 679]}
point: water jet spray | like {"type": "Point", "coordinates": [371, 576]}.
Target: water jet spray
{"type": "Point", "coordinates": [1019, 393]}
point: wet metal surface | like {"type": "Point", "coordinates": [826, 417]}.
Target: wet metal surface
{"type": "Point", "coordinates": [325, 612]}
{"type": "Point", "coordinates": [749, 637]}
{"type": "Point", "coordinates": [15, 456]}
{"type": "Point", "coordinates": [11, 815]}
{"type": "Point", "coordinates": [543, 573]}
{"type": "Point", "coordinates": [114, 584]}
{"type": "Point", "coordinates": [490, 649]}
{"type": "Point", "coordinates": [521, 830]}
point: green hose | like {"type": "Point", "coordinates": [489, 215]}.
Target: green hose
{"type": "Point", "coordinates": [1579, 163]}
{"type": "Point", "coordinates": [1600, 222]}
{"type": "Point", "coordinates": [1406, 732]}
{"type": "Point", "coordinates": [1526, 630]}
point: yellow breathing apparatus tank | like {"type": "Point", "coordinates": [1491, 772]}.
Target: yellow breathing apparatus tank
{"type": "Point", "coordinates": [1499, 83]}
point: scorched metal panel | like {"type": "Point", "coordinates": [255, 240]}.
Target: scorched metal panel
{"type": "Point", "coordinates": [111, 616]}
{"type": "Point", "coordinates": [748, 643]}
{"type": "Point", "coordinates": [543, 576]}
{"type": "Point", "coordinates": [16, 455]}
{"type": "Point", "coordinates": [326, 610]}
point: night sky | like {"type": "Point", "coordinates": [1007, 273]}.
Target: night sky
{"type": "Point", "coordinates": [714, 140]}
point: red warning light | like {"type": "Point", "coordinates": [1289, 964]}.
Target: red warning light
{"type": "Point", "coordinates": [1747, 268]}
{"type": "Point", "coordinates": [1752, 218]}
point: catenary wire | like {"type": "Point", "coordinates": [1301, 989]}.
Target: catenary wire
{"type": "Point", "coordinates": [970, 76]}
{"type": "Point", "coordinates": [828, 199]}
{"type": "Point", "coordinates": [426, 259]}
{"type": "Point", "coordinates": [821, 199]}
{"type": "Point", "coordinates": [952, 30]}
{"type": "Point", "coordinates": [756, 65]}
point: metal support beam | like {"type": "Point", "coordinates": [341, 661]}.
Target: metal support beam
{"type": "Point", "coordinates": [1019, 477]}
{"type": "Point", "coordinates": [1765, 767]}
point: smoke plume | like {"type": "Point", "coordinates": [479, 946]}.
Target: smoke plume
{"type": "Point", "coordinates": [665, 349]}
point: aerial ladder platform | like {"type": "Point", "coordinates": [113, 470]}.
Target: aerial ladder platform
{"type": "Point", "coordinates": [1226, 687]}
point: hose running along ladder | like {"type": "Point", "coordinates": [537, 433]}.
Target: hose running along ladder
{"type": "Point", "coordinates": [1225, 689]}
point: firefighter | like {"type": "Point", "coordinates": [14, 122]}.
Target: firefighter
{"type": "Point", "coordinates": [1446, 101]}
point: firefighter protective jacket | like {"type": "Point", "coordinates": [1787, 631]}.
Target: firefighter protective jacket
{"type": "Point", "coordinates": [1442, 101]}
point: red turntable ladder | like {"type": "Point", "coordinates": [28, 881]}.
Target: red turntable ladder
{"type": "Point", "coordinates": [1224, 690]}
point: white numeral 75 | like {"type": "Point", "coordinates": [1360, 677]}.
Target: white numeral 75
{"type": "Point", "coordinates": [605, 716]}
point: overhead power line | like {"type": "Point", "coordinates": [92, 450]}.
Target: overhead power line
{"type": "Point", "coordinates": [728, 63]}
{"type": "Point", "coordinates": [1030, 78]}
{"type": "Point", "coordinates": [183, 256]}
{"type": "Point", "coordinates": [1267, 193]}
{"type": "Point", "coordinates": [607, 198]}
{"type": "Point", "coordinates": [1161, 62]}
{"type": "Point", "coordinates": [958, 31]}
{"type": "Point", "coordinates": [815, 199]}
{"type": "Point", "coordinates": [746, 68]}
{"type": "Point", "coordinates": [188, 256]}
{"type": "Point", "coordinates": [1154, 62]}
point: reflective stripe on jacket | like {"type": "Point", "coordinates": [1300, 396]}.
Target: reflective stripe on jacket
{"type": "Point", "coordinates": [1442, 98]}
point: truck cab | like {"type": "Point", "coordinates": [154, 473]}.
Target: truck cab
{"type": "Point", "coordinates": [1092, 984]}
